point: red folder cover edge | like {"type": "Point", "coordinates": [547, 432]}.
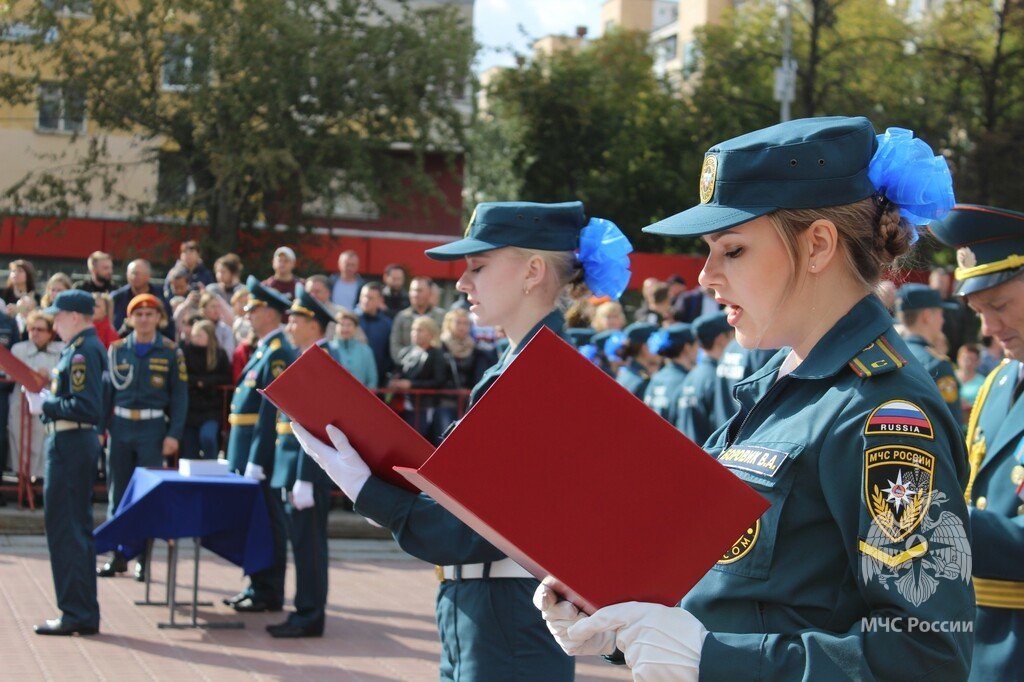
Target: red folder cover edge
{"type": "Point", "coordinates": [20, 372]}
{"type": "Point", "coordinates": [316, 390]}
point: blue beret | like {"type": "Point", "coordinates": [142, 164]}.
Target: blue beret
{"type": "Point", "coordinates": [639, 332]}
{"type": "Point", "coordinates": [919, 297]}
{"type": "Point", "coordinates": [266, 296]}
{"type": "Point", "coordinates": [806, 163]}
{"type": "Point", "coordinates": [989, 243]}
{"type": "Point", "coordinates": [580, 336]}
{"type": "Point", "coordinates": [708, 327]}
{"type": "Point", "coordinates": [72, 301]}
{"type": "Point", "coordinates": [546, 227]}
{"type": "Point", "coordinates": [307, 306]}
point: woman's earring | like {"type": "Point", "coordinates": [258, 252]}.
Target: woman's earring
{"type": "Point", "coordinates": [526, 291]}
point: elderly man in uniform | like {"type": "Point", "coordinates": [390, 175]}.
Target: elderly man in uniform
{"type": "Point", "coordinates": [253, 436]}
{"type": "Point", "coordinates": [72, 411]}
{"type": "Point", "coordinates": [919, 311]}
{"type": "Point", "coordinates": [147, 372]}
{"type": "Point", "coordinates": [990, 256]}
{"type": "Point", "coordinates": [305, 488]}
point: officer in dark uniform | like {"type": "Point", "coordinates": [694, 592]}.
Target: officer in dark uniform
{"type": "Point", "coordinates": [71, 410]}
{"type": "Point", "coordinates": [919, 309]}
{"type": "Point", "coordinates": [305, 489]}
{"type": "Point", "coordinates": [147, 373]}
{"type": "Point", "coordinates": [990, 272]}
{"type": "Point", "coordinates": [633, 374]}
{"type": "Point", "coordinates": [253, 436]}
{"type": "Point", "coordinates": [678, 346]}
{"type": "Point", "coordinates": [9, 335]}
{"type": "Point", "coordinates": [697, 414]}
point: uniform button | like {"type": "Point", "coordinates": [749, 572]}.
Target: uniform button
{"type": "Point", "coordinates": [1017, 474]}
{"type": "Point", "coordinates": [981, 502]}
{"type": "Point", "coordinates": [1020, 510]}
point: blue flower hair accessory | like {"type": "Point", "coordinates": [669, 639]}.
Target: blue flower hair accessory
{"type": "Point", "coordinates": [604, 254]}
{"type": "Point", "coordinates": [613, 343]}
{"type": "Point", "coordinates": [658, 341]}
{"type": "Point", "coordinates": [907, 172]}
{"type": "Point", "coordinates": [589, 351]}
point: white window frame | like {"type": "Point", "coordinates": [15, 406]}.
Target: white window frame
{"type": "Point", "coordinates": [63, 126]}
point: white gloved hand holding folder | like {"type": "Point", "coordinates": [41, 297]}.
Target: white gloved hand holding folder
{"type": "Point", "coordinates": [340, 460]}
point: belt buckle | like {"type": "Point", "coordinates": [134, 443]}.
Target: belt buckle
{"type": "Point", "coordinates": [136, 415]}
{"type": "Point", "coordinates": [439, 572]}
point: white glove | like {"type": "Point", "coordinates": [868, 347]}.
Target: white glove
{"type": "Point", "coordinates": [302, 495]}
{"type": "Point", "coordinates": [255, 472]}
{"type": "Point", "coordinates": [341, 462]}
{"type": "Point", "coordinates": [36, 400]}
{"type": "Point", "coordinates": [660, 643]}
{"type": "Point", "coordinates": [560, 615]}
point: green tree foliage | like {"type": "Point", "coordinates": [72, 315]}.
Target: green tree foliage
{"type": "Point", "coordinates": [267, 105]}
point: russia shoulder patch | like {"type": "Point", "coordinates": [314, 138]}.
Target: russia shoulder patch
{"type": "Point", "coordinates": [899, 417]}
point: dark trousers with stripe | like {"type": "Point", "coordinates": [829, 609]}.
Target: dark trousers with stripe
{"type": "Point", "coordinates": [308, 535]}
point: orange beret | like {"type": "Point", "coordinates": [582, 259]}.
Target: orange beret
{"type": "Point", "coordinates": [145, 301]}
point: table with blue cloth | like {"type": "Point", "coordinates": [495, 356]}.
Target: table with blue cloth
{"type": "Point", "coordinates": [225, 514]}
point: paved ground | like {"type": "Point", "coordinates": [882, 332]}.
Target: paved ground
{"type": "Point", "coordinates": [380, 624]}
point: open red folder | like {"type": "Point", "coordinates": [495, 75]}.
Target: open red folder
{"type": "Point", "coordinates": [584, 486]}
{"type": "Point", "coordinates": [315, 391]}
{"type": "Point", "coordinates": [20, 372]}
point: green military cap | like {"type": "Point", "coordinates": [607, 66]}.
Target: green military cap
{"type": "Point", "coordinates": [639, 332]}
{"type": "Point", "coordinates": [599, 338]}
{"type": "Point", "coordinates": [72, 301]}
{"type": "Point", "coordinates": [919, 297]}
{"type": "Point", "coordinates": [546, 227]}
{"type": "Point", "coordinates": [708, 327]}
{"type": "Point", "coordinates": [989, 245]}
{"type": "Point", "coordinates": [580, 336]}
{"type": "Point", "coordinates": [673, 336]}
{"type": "Point", "coordinates": [307, 306]}
{"type": "Point", "coordinates": [806, 163]}
{"type": "Point", "coordinates": [264, 295]}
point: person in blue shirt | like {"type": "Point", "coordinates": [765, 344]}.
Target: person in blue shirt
{"type": "Point", "coordinates": [150, 403]}
{"type": "Point", "coordinates": [678, 345]}
{"type": "Point", "coordinates": [376, 325]}
{"type": "Point", "coordinates": [519, 260]}
{"type": "Point", "coordinates": [305, 487]}
{"type": "Point", "coordinates": [72, 411]}
{"type": "Point", "coordinates": [867, 534]}
{"type": "Point", "coordinates": [989, 243]}
{"type": "Point", "coordinates": [919, 309]}
{"type": "Point", "coordinates": [633, 375]}
{"type": "Point", "coordinates": [353, 354]}
{"type": "Point", "coordinates": [253, 436]}
{"type": "Point", "coordinates": [697, 412]}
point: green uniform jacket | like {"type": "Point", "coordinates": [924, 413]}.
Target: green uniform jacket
{"type": "Point", "coordinates": [861, 567]}
{"type": "Point", "coordinates": [634, 378]}
{"type": "Point", "coordinates": [159, 380]}
{"type": "Point", "coordinates": [662, 393]}
{"type": "Point", "coordinates": [77, 385]}
{"type": "Point", "coordinates": [941, 371]}
{"type": "Point", "coordinates": [256, 442]}
{"type": "Point", "coordinates": [696, 416]}
{"type": "Point", "coordinates": [996, 445]}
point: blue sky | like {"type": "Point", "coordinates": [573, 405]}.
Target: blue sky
{"type": "Point", "coordinates": [496, 24]}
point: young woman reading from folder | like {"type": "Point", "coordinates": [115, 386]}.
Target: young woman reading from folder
{"type": "Point", "coordinates": [520, 259]}
{"type": "Point", "coordinates": [841, 431]}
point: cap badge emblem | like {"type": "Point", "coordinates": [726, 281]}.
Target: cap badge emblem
{"type": "Point", "coordinates": [708, 174]}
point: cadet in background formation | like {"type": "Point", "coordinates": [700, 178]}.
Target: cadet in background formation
{"type": "Point", "coordinates": [737, 363]}
{"type": "Point", "coordinates": [697, 415]}
{"type": "Point", "coordinates": [866, 535]}
{"type": "Point", "coordinates": [147, 373]}
{"type": "Point", "coordinates": [72, 411]}
{"type": "Point", "coordinates": [919, 309]}
{"type": "Point", "coordinates": [678, 346]}
{"type": "Point", "coordinates": [304, 488]}
{"type": "Point", "coordinates": [252, 441]}
{"type": "Point", "coordinates": [633, 374]}
{"type": "Point", "coordinates": [990, 272]}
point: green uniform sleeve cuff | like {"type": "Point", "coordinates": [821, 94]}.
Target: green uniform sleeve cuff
{"type": "Point", "coordinates": [731, 656]}
{"type": "Point", "coordinates": [382, 502]}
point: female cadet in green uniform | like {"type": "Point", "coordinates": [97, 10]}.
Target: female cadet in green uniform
{"type": "Point", "coordinates": [861, 567]}
{"type": "Point", "coordinates": [990, 259]}
{"type": "Point", "coordinates": [633, 375]}
{"type": "Point", "coordinates": [519, 259]}
{"type": "Point", "coordinates": [696, 413]}
{"type": "Point", "coordinates": [678, 346]}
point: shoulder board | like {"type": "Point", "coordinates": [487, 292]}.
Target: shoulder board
{"type": "Point", "coordinates": [274, 344]}
{"type": "Point", "coordinates": [879, 357]}
{"type": "Point", "coordinates": [168, 343]}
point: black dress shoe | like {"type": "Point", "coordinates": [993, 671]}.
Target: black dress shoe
{"type": "Point", "coordinates": [58, 628]}
{"type": "Point", "coordinates": [116, 565]}
{"type": "Point", "coordinates": [231, 601]}
{"type": "Point", "coordinates": [288, 630]}
{"type": "Point", "coordinates": [251, 605]}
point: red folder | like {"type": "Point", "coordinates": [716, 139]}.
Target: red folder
{"type": "Point", "coordinates": [315, 391]}
{"type": "Point", "coordinates": [20, 372]}
{"type": "Point", "coordinates": [585, 486]}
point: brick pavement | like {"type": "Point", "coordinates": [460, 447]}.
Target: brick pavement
{"type": "Point", "coordinates": [380, 624]}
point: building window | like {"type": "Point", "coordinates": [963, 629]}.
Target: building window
{"type": "Point", "coordinates": [185, 64]}
{"type": "Point", "coordinates": [665, 50]}
{"type": "Point", "coordinates": [174, 185]}
{"type": "Point", "coordinates": [81, 7]}
{"type": "Point", "coordinates": [61, 108]}
{"type": "Point", "coordinates": [691, 58]}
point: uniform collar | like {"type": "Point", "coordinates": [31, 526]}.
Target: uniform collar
{"type": "Point", "coordinates": [553, 321]}
{"type": "Point", "coordinates": [916, 338]}
{"type": "Point", "coordinates": [269, 337]}
{"type": "Point", "coordinates": [82, 335]}
{"type": "Point", "coordinates": [866, 321]}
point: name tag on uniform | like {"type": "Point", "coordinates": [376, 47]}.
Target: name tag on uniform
{"type": "Point", "coordinates": [755, 459]}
